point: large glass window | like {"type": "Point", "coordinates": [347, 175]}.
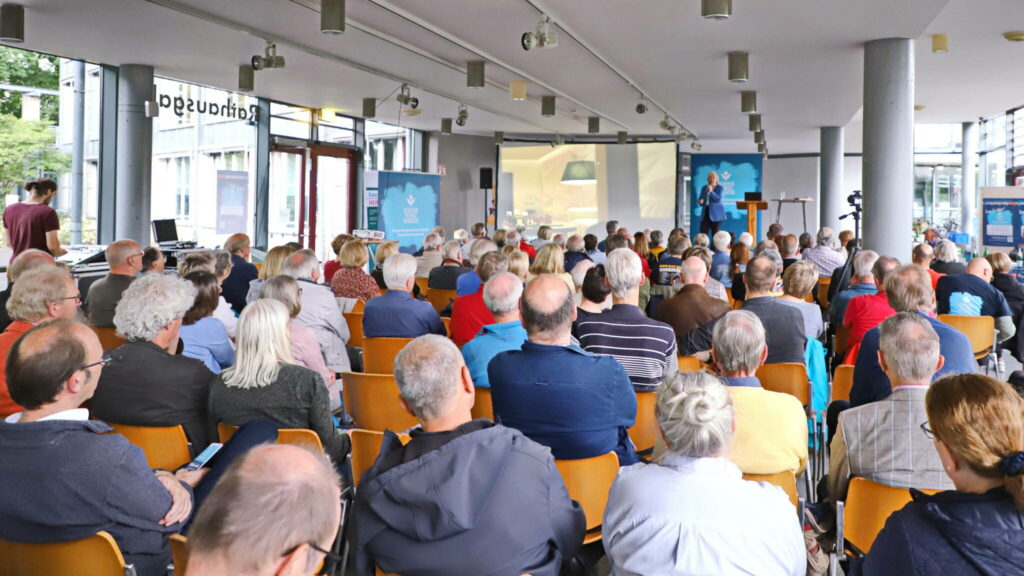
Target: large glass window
{"type": "Point", "coordinates": [386, 146]}
{"type": "Point", "coordinates": [180, 170]}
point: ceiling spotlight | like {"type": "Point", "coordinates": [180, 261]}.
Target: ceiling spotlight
{"type": "Point", "coordinates": [940, 43]}
{"type": "Point", "coordinates": [759, 137]}
{"type": "Point", "coordinates": [594, 125]}
{"type": "Point", "coordinates": [665, 123]}
{"type": "Point", "coordinates": [542, 38]}
{"type": "Point", "coordinates": [499, 138]}
{"type": "Point", "coordinates": [641, 106]}
{"type": "Point", "coordinates": [754, 122]}
{"type": "Point", "coordinates": [547, 106]}
{"type": "Point", "coordinates": [681, 136]}
{"type": "Point", "coordinates": [12, 23]}
{"type": "Point", "coordinates": [475, 74]}
{"type": "Point", "coordinates": [462, 116]}
{"type": "Point", "coordinates": [558, 141]}
{"type": "Point", "coordinates": [332, 16]}
{"type": "Point", "coordinates": [152, 105]}
{"type": "Point", "coordinates": [716, 9]}
{"type": "Point", "coordinates": [762, 148]}
{"type": "Point", "coordinates": [406, 98]}
{"type": "Point", "coordinates": [270, 59]}
{"type": "Point", "coordinates": [517, 90]}
{"type": "Point", "coordinates": [748, 102]}
{"type": "Point", "coordinates": [369, 107]}
{"type": "Point", "coordinates": [246, 78]}
{"type": "Point", "coordinates": [1015, 36]}
{"type": "Point", "coordinates": [739, 67]}
{"type": "Point", "coordinates": [446, 125]}
{"type": "Point", "coordinates": [621, 137]}
{"type": "Point", "coordinates": [697, 146]}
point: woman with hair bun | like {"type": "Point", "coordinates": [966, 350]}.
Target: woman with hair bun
{"type": "Point", "coordinates": [977, 424]}
{"type": "Point", "coordinates": [694, 513]}
{"type": "Point", "coordinates": [32, 223]}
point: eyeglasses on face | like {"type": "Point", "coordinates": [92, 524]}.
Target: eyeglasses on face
{"type": "Point", "coordinates": [77, 298]}
{"type": "Point", "coordinates": [927, 431]}
{"type": "Point", "coordinates": [103, 362]}
{"type": "Point", "coordinates": [328, 555]}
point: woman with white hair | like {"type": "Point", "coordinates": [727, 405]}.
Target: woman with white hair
{"type": "Point", "coordinates": [947, 259]}
{"type": "Point", "coordinates": [693, 513]}
{"type": "Point", "coordinates": [265, 382]}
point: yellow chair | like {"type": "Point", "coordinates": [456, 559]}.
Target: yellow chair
{"type": "Point", "coordinates": [108, 337]}
{"type": "Point", "coordinates": [355, 328]}
{"type": "Point", "coordinates": [841, 340]}
{"type": "Point", "coordinates": [588, 481]}
{"type": "Point", "coordinates": [690, 364]}
{"type": "Point", "coordinates": [379, 354]}
{"type": "Point", "coordinates": [823, 286]}
{"type": "Point", "coordinates": [785, 480]}
{"type": "Point", "coordinates": [365, 448]}
{"type": "Point", "coordinates": [97, 555]}
{"type": "Point", "coordinates": [482, 407]}
{"type": "Point", "coordinates": [422, 284]}
{"type": "Point", "coordinates": [842, 382]}
{"type": "Point", "coordinates": [440, 298]}
{"type": "Point", "coordinates": [358, 307]}
{"type": "Point", "coordinates": [788, 378]}
{"type": "Point", "coordinates": [293, 436]}
{"type": "Point", "coordinates": [868, 505]}
{"type": "Point", "coordinates": [980, 330]}
{"type": "Point", "coordinates": [644, 432]}
{"type": "Point", "coordinates": [179, 553]}
{"type": "Point", "coordinates": [166, 447]}
{"type": "Point", "coordinates": [372, 401]}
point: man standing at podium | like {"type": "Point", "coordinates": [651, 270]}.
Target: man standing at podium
{"type": "Point", "coordinates": [714, 211]}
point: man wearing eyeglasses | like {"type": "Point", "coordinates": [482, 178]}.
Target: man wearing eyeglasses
{"type": "Point", "coordinates": [125, 260]}
{"type": "Point", "coordinates": [41, 295]}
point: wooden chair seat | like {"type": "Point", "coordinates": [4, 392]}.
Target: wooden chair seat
{"type": "Point", "coordinates": [980, 330]}
{"type": "Point", "coordinates": [372, 401]}
{"type": "Point", "coordinates": [422, 284]}
{"type": "Point", "coordinates": [379, 354]}
{"type": "Point", "coordinates": [97, 555]}
{"type": "Point", "coordinates": [842, 382]}
{"type": "Point", "coordinates": [365, 448]}
{"type": "Point", "coordinates": [440, 298]}
{"type": "Point", "coordinates": [788, 378]}
{"type": "Point", "coordinates": [785, 480]}
{"type": "Point", "coordinates": [588, 481]}
{"type": "Point", "coordinates": [355, 328]}
{"type": "Point", "coordinates": [179, 553]}
{"type": "Point", "coordinates": [293, 436]}
{"type": "Point", "coordinates": [690, 364]}
{"type": "Point", "coordinates": [868, 505]}
{"type": "Point", "coordinates": [644, 432]}
{"type": "Point", "coordinates": [166, 447]}
{"type": "Point", "coordinates": [108, 337]}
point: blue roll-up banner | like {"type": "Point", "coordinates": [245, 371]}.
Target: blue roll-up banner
{"type": "Point", "coordinates": [408, 207]}
{"type": "Point", "coordinates": [738, 174]}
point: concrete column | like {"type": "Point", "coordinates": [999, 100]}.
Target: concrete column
{"type": "Point", "coordinates": [77, 149]}
{"type": "Point", "coordinates": [134, 153]}
{"type": "Point", "coordinates": [889, 146]}
{"type": "Point", "coordinates": [969, 182]}
{"type": "Point", "coordinates": [832, 200]}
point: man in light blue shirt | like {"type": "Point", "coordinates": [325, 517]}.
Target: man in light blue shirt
{"type": "Point", "coordinates": [469, 282]}
{"type": "Point", "coordinates": [501, 296]}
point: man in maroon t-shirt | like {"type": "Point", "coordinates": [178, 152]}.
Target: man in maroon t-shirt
{"type": "Point", "coordinates": [33, 224]}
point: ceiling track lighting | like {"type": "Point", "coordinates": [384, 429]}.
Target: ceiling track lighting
{"type": "Point", "coordinates": [499, 138]}
{"type": "Point", "coordinates": [739, 67]}
{"type": "Point", "coordinates": [665, 123]}
{"type": "Point", "coordinates": [748, 102]}
{"type": "Point", "coordinates": [621, 137]}
{"type": "Point", "coordinates": [475, 74]}
{"type": "Point", "coordinates": [517, 90]}
{"type": "Point", "coordinates": [152, 106]}
{"type": "Point", "coordinates": [1014, 36]}
{"type": "Point", "coordinates": [12, 23]}
{"type": "Point", "coordinates": [463, 116]}
{"type": "Point", "coordinates": [542, 38]}
{"type": "Point", "coordinates": [406, 98]}
{"type": "Point", "coordinates": [696, 146]}
{"type": "Point", "coordinates": [759, 137]}
{"type": "Point", "coordinates": [332, 17]}
{"type": "Point", "coordinates": [762, 147]}
{"type": "Point", "coordinates": [754, 122]}
{"type": "Point", "coordinates": [446, 126]}
{"type": "Point", "coordinates": [641, 106]}
{"type": "Point", "coordinates": [270, 59]}
{"type": "Point", "coordinates": [547, 106]}
{"type": "Point", "coordinates": [369, 108]}
{"type": "Point", "coordinates": [594, 125]}
{"type": "Point", "coordinates": [940, 43]}
{"type": "Point", "coordinates": [716, 9]}
{"type": "Point", "coordinates": [246, 78]}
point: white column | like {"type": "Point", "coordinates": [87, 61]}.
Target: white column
{"type": "Point", "coordinates": [833, 200]}
{"type": "Point", "coordinates": [969, 182]}
{"type": "Point", "coordinates": [134, 153]}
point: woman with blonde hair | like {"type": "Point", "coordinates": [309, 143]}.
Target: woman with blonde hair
{"type": "Point", "coordinates": [519, 263]}
{"type": "Point", "coordinates": [551, 260]}
{"type": "Point", "coordinates": [977, 424]}
{"type": "Point", "coordinates": [272, 266]}
{"type": "Point", "coordinates": [305, 347]}
{"type": "Point", "coordinates": [797, 282]}
{"type": "Point", "coordinates": [383, 252]}
{"type": "Point", "coordinates": [499, 237]}
{"type": "Point", "coordinates": [1005, 283]}
{"type": "Point", "coordinates": [266, 383]}
{"type": "Point", "coordinates": [350, 281]}
{"type": "Point", "coordinates": [332, 266]}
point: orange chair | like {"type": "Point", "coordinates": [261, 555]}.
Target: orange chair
{"type": "Point", "coordinates": [372, 400]}
{"type": "Point", "coordinates": [868, 505]}
{"type": "Point", "coordinates": [355, 328]}
{"type": "Point", "coordinates": [365, 448]}
{"type": "Point", "coordinates": [842, 383]}
{"type": "Point", "coordinates": [97, 555]}
{"type": "Point", "coordinates": [108, 337]}
{"type": "Point", "coordinates": [447, 326]}
{"type": "Point", "coordinates": [788, 378]}
{"type": "Point", "coordinates": [980, 330]}
{"type": "Point", "coordinates": [358, 307]}
{"type": "Point", "coordinates": [841, 340]}
{"type": "Point", "coordinates": [588, 481]}
{"type": "Point", "coordinates": [482, 407]}
{"type": "Point", "coordinates": [166, 447]}
{"type": "Point", "coordinates": [293, 436]}
{"type": "Point", "coordinates": [644, 432]}
{"type": "Point", "coordinates": [823, 285]}
{"type": "Point", "coordinates": [785, 480]}
{"type": "Point", "coordinates": [379, 354]}
{"type": "Point", "coordinates": [422, 284]}
{"type": "Point", "coordinates": [690, 364]}
{"type": "Point", "coordinates": [440, 298]}
{"type": "Point", "coordinates": [179, 553]}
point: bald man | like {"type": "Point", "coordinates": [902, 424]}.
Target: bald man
{"type": "Point", "coordinates": [294, 489]}
{"type": "Point", "coordinates": [922, 255]}
{"type": "Point", "coordinates": [577, 403]}
{"type": "Point", "coordinates": [125, 260]}
{"type": "Point", "coordinates": [692, 306]}
{"type": "Point", "coordinates": [972, 294]}
{"type": "Point", "coordinates": [24, 262]}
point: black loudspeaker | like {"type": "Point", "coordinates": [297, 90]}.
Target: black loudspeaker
{"type": "Point", "coordinates": [486, 178]}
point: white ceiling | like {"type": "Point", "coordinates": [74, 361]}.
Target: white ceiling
{"type": "Point", "coordinates": [806, 58]}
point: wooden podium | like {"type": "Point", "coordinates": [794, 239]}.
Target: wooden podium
{"type": "Point", "coordinates": [752, 206]}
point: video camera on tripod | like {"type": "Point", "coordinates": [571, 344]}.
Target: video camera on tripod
{"type": "Point", "coordinates": [854, 200]}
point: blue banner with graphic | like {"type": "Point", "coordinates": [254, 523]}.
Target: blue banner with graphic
{"type": "Point", "coordinates": [738, 174]}
{"type": "Point", "coordinates": [1004, 222]}
{"type": "Point", "coordinates": [408, 207]}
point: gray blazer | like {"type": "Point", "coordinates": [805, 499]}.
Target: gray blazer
{"type": "Point", "coordinates": [320, 312]}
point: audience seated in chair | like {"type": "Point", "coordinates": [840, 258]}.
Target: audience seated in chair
{"type": "Point", "coordinates": [351, 281]}
{"type": "Point", "coordinates": [25, 261]}
{"type": "Point", "coordinates": [823, 255]}
{"type": "Point", "coordinates": [469, 282]}
{"type": "Point", "coordinates": [867, 311]}
{"type": "Point", "coordinates": [43, 294]}
{"type": "Point", "coordinates": [236, 285]}
{"type": "Point", "coordinates": [272, 266]}
{"type": "Point", "coordinates": [125, 260]}
{"type": "Point", "coordinates": [862, 282]}
{"type": "Point", "coordinates": [713, 287]}
{"type": "Point", "coordinates": [319, 309]}
{"type": "Point", "coordinates": [397, 314]}
{"type": "Point", "coordinates": [147, 384]}
{"type": "Point", "coordinates": [501, 296]}
{"type": "Point", "coordinates": [274, 512]}
{"type": "Point", "coordinates": [978, 428]}
{"type": "Point", "coordinates": [693, 513]}
{"type": "Point", "coordinates": [436, 506]}
{"type": "Point", "coordinates": [445, 276]}
{"type": "Point", "coordinates": [692, 306]}
{"type": "Point", "coordinates": [431, 256]}
{"type": "Point", "coordinates": [947, 259]}
{"type": "Point", "coordinates": [470, 312]}
{"type": "Point", "coordinates": [577, 403]}
{"type": "Point", "coordinates": [972, 294]}
{"type": "Point", "coordinates": [204, 336]}
{"type": "Point", "coordinates": [798, 281]}
{"type": "Point", "coordinates": [922, 255]}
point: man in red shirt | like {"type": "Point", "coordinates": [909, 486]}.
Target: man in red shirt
{"type": "Point", "coordinates": [470, 313]}
{"type": "Point", "coordinates": [865, 312]}
{"type": "Point", "coordinates": [33, 224]}
{"type": "Point", "coordinates": [923, 255]}
{"type": "Point", "coordinates": [514, 238]}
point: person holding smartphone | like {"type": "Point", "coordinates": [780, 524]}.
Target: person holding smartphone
{"type": "Point", "coordinates": [714, 211]}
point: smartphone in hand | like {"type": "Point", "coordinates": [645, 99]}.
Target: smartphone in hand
{"type": "Point", "coordinates": [204, 457]}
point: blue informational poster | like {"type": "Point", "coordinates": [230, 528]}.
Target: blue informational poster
{"type": "Point", "coordinates": [738, 174]}
{"type": "Point", "coordinates": [409, 207]}
{"type": "Point", "coordinates": [1003, 223]}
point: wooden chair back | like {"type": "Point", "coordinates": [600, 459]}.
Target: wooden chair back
{"type": "Point", "coordinates": [868, 505]}
{"type": "Point", "coordinates": [422, 284]}
{"type": "Point", "coordinates": [788, 378]}
{"type": "Point", "coordinates": [447, 326]}
{"type": "Point", "coordinates": [785, 480]}
{"type": "Point", "coordinates": [355, 328]}
{"type": "Point", "coordinates": [644, 432]}
{"type": "Point", "coordinates": [980, 330]}
{"type": "Point", "coordinates": [108, 337]}
{"type": "Point", "coordinates": [379, 354]}
{"type": "Point", "coordinates": [690, 364]}
{"type": "Point", "coordinates": [166, 447]}
{"type": "Point", "coordinates": [482, 407]}
{"type": "Point", "coordinates": [358, 307]}
{"type": "Point", "coordinates": [179, 553]}
{"type": "Point", "coordinates": [842, 382]}
{"type": "Point", "coordinates": [293, 436]}
{"type": "Point", "coordinates": [588, 481]}
{"type": "Point", "coordinates": [440, 298]}
{"type": "Point", "coordinates": [372, 401]}
{"type": "Point", "coordinates": [823, 286]}
{"type": "Point", "coordinates": [365, 448]}
{"type": "Point", "coordinates": [842, 339]}
{"type": "Point", "coordinates": [97, 555]}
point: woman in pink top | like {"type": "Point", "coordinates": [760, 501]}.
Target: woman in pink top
{"type": "Point", "coordinates": [305, 348]}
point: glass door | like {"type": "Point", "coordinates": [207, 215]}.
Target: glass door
{"type": "Point", "coordinates": [287, 195]}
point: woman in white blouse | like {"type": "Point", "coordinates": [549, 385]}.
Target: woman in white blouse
{"type": "Point", "coordinates": [693, 513]}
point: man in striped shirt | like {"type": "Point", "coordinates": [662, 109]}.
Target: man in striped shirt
{"type": "Point", "coordinates": [646, 348]}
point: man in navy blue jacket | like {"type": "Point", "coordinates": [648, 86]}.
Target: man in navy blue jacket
{"type": "Point", "coordinates": [236, 285]}
{"type": "Point", "coordinates": [64, 478]}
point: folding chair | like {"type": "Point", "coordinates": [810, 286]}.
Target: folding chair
{"type": "Point", "coordinates": [422, 284]}
{"type": "Point", "coordinates": [97, 555]}
{"type": "Point", "coordinates": [379, 354]}
{"type": "Point", "coordinates": [980, 330]}
{"type": "Point", "coordinates": [644, 432]}
{"type": "Point", "coordinates": [293, 436]}
{"type": "Point", "coordinates": [842, 383]}
{"type": "Point", "coordinates": [365, 448]}
{"type": "Point", "coordinates": [690, 364]}
{"type": "Point", "coordinates": [823, 286]}
{"type": "Point", "coordinates": [166, 447]}
{"type": "Point", "coordinates": [179, 553]}
{"type": "Point", "coordinates": [355, 328]}
{"type": "Point", "coordinates": [108, 337]}
{"type": "Point", "coordinates": [862, 516]}
{"type": "Point", "coordinates": [785, 480]}
{"type": "Point", "coordinates": [440, 298]}
{"type": "Point", "coordinates": [372, 401]}
{"type": "Point", "coordinates": [791, 378]}
{"type": "Point", "coordinates": [588, 481]}
{"type": "Point", "coordinates": [482, 407]}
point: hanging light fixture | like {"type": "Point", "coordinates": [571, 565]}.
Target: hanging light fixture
{"type": "Point", "coordinates": [621, 137]}
{"type": "Point", "coordinates": [369, 107]}
{"type": "Point", "coordinates": [246, 78]}
{"type": "Point", "coordinates": [594, 125]}
{"type": "Point", "coordinates": [517, 90]}
{"type": "Point", "coordinates": [499, 138]}
{"type": "Point", "coordinates": [12, 23]}
{"type": "Point", "coordinates": [940, 43]}
{"type": "Point", "coordinates": [754, 122]}
{"type": "Point", "coordinates": [716, 9]}
{"type": "Point", "coordinates": [739, 67]}
{"type": "Point", "coordinates": [547, 106]}
{"type": "Point", "coordinates": [748, 102]}
{"type": "Point", "coordinates": [332, 17]}
{"type": "Point", "coordinates": [475, 74]}
{"type": "Point", "coordinates": [579, 173]}
{"type": "Point", "coordinates": [762, 147]}
{"type": "Point", "coordinates": [446, 125]}
{"type": "Point", "coordinates": [759, 137]}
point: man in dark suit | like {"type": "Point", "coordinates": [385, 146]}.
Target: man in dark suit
{"type": "Point", "coordinates": [714, 211]}
{"type": "Point", "coordinates": [236, 285]}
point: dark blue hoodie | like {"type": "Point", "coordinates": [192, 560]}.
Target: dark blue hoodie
{"type": "Point", "coordinates": [488, 503]}
{"type": "Point", "coordinates": [950, 533]}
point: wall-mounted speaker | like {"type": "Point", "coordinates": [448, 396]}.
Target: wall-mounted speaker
{"type": "Point", "coordinates": [486, 178]}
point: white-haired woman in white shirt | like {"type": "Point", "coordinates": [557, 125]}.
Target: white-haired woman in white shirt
{"type": "Point", "coordinates": [693, 513]}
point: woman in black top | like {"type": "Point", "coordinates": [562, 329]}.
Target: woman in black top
{"type": "Point", "coordinates": [1007, 284]}
{"type": "Point", "coordinates": [947, 259]}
